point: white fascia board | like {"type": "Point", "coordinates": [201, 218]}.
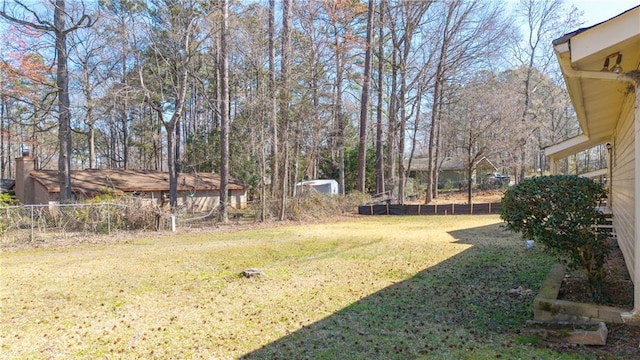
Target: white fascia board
{"type": "Point", "coordinates": [596, 173]}
{"type": "Point", "coordinates": [567, 144]}
{"type": "Point", "coordinates": [562, 48]}
{"type": "Point", "coordinates": [571, 146]}
{"type": "Point", "coordinates": [605, 35]}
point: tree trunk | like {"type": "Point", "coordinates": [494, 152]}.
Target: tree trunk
{"type": "Point", "coordinates": [402, 104]}
{"type": "Point", "coordinates": [263, 176]}
{"type": "Point", "coordinates": [432, 166]}
{"type": "Point", "coordinates": [296, 154]}
{"type": "Point", "coordinates": [341, 124]}
{"type": "Point", "coordinates": [124, 115]}
{"type": "Point", "coordinates": [338, 116]}
{"type": "Point", "coordinates": [173, 179]}
{"type": "Point", "coordinates": [224, 115]}
{"type": "Point", "coordinates": [273, 113]}
{"type": "Point", "coordinates": [436, 157]}
{"type": "Point", "coordinates": [379, 141]}
{"type": "Point", "coordinates": [92, 146]}
{"type": "Point", "coordinates": [403, 120]}
{"type": "Point", "coordinates": [64, 119]}
{"type": "Point", "coordinates": [434, 133]}
{"type": "Point", "coordinates": [178, 145]}
{"type": "Point", "coordinates": [364, 103]}
{"type": "Point", "coordinates": [157, 143]}
{"type": "Point", "coordinates": [416, 123]}
{"type": "Point", "coordinates": [470, 162]}
{"type": "Point", "coordinates": [391, 123]}
{"type": "Point", "coordinates": [284, 106]}
{"type": "Point", "coordinates": [315, 155]}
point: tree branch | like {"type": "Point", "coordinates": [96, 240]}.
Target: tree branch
{"type": "Point", "coordinates": [80, 24]}
{"type": "Point", "coordinates": [43, 25]}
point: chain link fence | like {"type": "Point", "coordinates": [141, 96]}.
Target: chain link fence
{"type": "Point", "coordinates": [41, 223]}
{"type": "Point", "coordinates": [99, 222]}
{"type": "Point", "coordinates": [53, 223]}
{"type": "Point", "coordinates": [211, 219]}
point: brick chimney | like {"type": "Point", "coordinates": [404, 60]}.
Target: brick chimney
{"type": "Point", "coordinates": [24, 185]}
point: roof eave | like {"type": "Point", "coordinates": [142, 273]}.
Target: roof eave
{"type": "Point", "coordinates": [571, 146]}
{"type": "Point", "coordinates": [595, 93]}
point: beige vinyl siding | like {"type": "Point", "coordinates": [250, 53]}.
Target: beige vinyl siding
{"type": "Point", "coordinates": [203, 200]}
{"type": "Point", "coordinates": [238, 199]}
{"type": "Point", "coordinates": [622, 197]}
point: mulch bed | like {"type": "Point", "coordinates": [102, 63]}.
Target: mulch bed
{"type": "Point", "coordinates": [618, 287]}
{"type": "Point", "coordinates": [623, 340]}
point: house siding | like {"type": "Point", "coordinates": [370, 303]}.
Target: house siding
{"type": "Point", "coordinates": [199, 201]}
{"type": "Point", "coordinates": [191, 201]}
{"type": "Point", "coordinates": [623, 184]}
{"type": "Point", "coordinates": [238, 199]}
{"type": "Point", "coordinates": [39, 194]}
{"type": "Point", "coordinates": [202, 200]}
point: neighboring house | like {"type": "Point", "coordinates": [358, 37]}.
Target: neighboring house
{"type": "Point", "coordinates": [600, 65]}
{"type": "Point", "coordinates": [452, 171]}
{"type": "Point", "coordinates": [198, 192]}
{"type": "Point", "coordinates": [5, 184]}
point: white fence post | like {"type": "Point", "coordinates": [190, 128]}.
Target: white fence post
{"type": "Point", "coordinates": [32, 224]}
{"type": "Point", "coordinates": [108, 219]}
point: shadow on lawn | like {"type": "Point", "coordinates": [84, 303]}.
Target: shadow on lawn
{"type": "Point", "coordinates": [450, 307]}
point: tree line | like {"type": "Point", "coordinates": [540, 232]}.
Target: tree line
{"type": "Point", "coordinates": [275, 92]}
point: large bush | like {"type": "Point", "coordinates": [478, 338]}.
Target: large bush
{"type": "Point", "coordinates": [560, 211]}
{"type": "Point", "coordinates": [313, 205]}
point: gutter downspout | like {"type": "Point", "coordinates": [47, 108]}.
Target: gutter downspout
{"type": "Point", "coordinates": [633, 316]}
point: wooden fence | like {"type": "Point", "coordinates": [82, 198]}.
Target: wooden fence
{"type": "Point", "coordinates": [443, 209]}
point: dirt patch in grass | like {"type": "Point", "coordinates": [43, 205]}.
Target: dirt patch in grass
{"type": "Point", "coordinates": [460, 197]}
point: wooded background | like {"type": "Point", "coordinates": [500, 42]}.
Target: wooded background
{"type": "Point", "coordinates": [276, 92]}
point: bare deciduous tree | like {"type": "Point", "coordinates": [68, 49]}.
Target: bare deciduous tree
{"type": "Point", "coordinates": [543, 22]}
{"type": "Point", "coordinates": [63, 24]}
{"type": "Point", "coordinates": [364, 103]}
{"type": "Point", "coordinates": [224, 112]}
{"type": "Point", "coordinates": [285, 98]}
{"type": "Point", "coordinates": [175, 39]}
{"type": "Point", "coordinates": [470, 35]}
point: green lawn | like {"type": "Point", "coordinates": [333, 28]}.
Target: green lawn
{"type": "Point", "coordinates": [378, 287]}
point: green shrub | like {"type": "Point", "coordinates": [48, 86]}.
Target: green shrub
{"type": "Point", "coordinates": [8, 199]}
{"type": "Point", "coordinates": [560, 211]}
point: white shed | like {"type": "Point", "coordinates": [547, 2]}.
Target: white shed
{"type": "Point", "coordinates": [322, 186]}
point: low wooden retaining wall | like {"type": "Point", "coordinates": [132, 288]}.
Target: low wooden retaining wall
{"type": "Point", "coordinates": [443, 209]}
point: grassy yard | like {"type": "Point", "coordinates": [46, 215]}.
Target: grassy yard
{"type": "Point", "coordinates": [378, 287]}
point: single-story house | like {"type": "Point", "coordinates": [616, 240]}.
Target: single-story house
{"type": "Point", "coordinates": [452, 171]}
{"type": "Point", "coordinates": [601, 68]}
{"type": "Point", "coordinates": [198, 192]}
